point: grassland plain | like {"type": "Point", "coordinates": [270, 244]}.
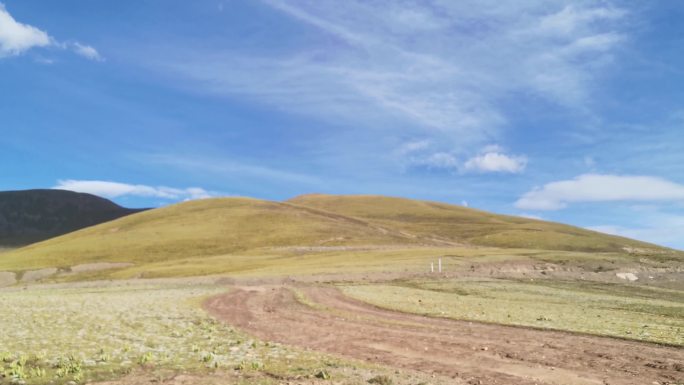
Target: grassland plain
{"type": "Point", "coordinates": [86, 334]}
{"type": "Point", "coordinates": [303, 261]}
{"type": "Point", "coordinates": [619, 310]}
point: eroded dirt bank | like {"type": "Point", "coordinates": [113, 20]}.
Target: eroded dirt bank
{"type": "Point", "coordinates": [470, 353]}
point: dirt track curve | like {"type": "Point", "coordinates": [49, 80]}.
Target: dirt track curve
{"type": "Point", "coordinates": [469, 352]}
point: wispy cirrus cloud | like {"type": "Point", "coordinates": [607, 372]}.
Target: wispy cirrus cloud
{"type": "Point", "coordinates": [601, 188]}
{"type": "Point", "coordinates": [437, 66]}
{"type": "Point", "coordinates": [227, 167]}
{"type": "Point", "coordinates": [109, 189]}
{"type": "Point", "coordinates": [17, 38]}
{"type": "Point", "coordinates": [87, 51]}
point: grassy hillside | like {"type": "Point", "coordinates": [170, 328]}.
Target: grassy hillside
{"type": "Point", "coordinates": [450, 223]}
{"type": "Point", "coordinates": [310, 234]}
{"type": "Point", "coordinates": [201, 228]}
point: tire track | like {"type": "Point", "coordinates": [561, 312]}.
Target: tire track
{"type": "Point", "coordinates": [469, 352]}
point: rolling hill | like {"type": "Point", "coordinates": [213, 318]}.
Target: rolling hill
{"type": "Point", "coordinates": [451, 223]}
{"type": "Point", "coordinates": [310, 233]}
{"type": "Point", "coordinates": [35, 215]}
{"type": "Point", "coordinates": [205, 228]}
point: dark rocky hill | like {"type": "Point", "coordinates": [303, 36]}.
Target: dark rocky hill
{"type": "Point", "coordinates": [30, 216]}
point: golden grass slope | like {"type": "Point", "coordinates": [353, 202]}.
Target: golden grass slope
{"type": "Point", "coordinates": [198, 229]}
{"type": "Point", "coordinates": [450, 223]}
{"type": "Point", "coordinates": [211, 236]}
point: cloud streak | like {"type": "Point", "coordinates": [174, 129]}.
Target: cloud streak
{"type": "Point", "coordinates": [437, 66]}
{"type": "Point", "coordinates": [110, 189]}
{"type": "Point", "coordinates": [601, 188]}
{"type": "Point", "coordinates": [86, 51]}
{"type": "Point", "coordinates": [228, 167]}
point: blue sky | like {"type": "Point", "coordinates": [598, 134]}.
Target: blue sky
{"type": "Point", "coordinates": [570, 111]}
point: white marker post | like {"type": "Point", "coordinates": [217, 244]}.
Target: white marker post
{"type": "Point", "coordinates": [432, 267]}
{"type": "Point", "coordinates": [440, 264]}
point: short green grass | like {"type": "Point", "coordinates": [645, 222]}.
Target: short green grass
{"type": "Point", "coordinates": [618, 310]}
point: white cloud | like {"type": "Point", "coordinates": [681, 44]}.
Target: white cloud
{"type": "Point", "coordinates": [493, 160]}
{"type": "Point", "coordinates": [109, 189]}
{"type": "Point", "coordinates": [86, 51]}
{"type": "Point", "coordinates": [599, 42]}
{"type": "Point", "coordinates": [439, 66]}
{"type": "Point", "coordinates": [490, 159]}
{"type": "Point", "coordinates": [601, 188]}
{"type": "Point", "coordinates": [16, 38]}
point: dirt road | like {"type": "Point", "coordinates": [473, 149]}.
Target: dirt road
{"type": "Point", "coordinates": [470, 353]}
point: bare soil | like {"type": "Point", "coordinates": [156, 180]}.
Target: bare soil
{"type": "Point", "coordinates": [468, 352]}
{"type": "Point", "coordinates": [7, 278]}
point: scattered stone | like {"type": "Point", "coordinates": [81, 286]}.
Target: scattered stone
{"type": "Point", "coordinates": [631, 277]}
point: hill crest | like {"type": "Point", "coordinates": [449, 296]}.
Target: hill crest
{"type": "Point", "coordinates": [195, 233]}
{"type": "Point", "coordinates": [461, 224]}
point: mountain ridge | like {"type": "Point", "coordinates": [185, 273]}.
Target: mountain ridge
{"type": "Point", "coordinates": [29, 216]}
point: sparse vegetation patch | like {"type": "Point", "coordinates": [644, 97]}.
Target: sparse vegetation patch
{"type": "Point", "coordinates": [634, 312]}
{"type": "Point", "coordinates": [79, 335]}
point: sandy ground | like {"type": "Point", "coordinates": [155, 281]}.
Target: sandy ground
{"type": "Point", "coordinates": [37, 275]}
{"type": "Point", "coordinates": [469, 352]}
